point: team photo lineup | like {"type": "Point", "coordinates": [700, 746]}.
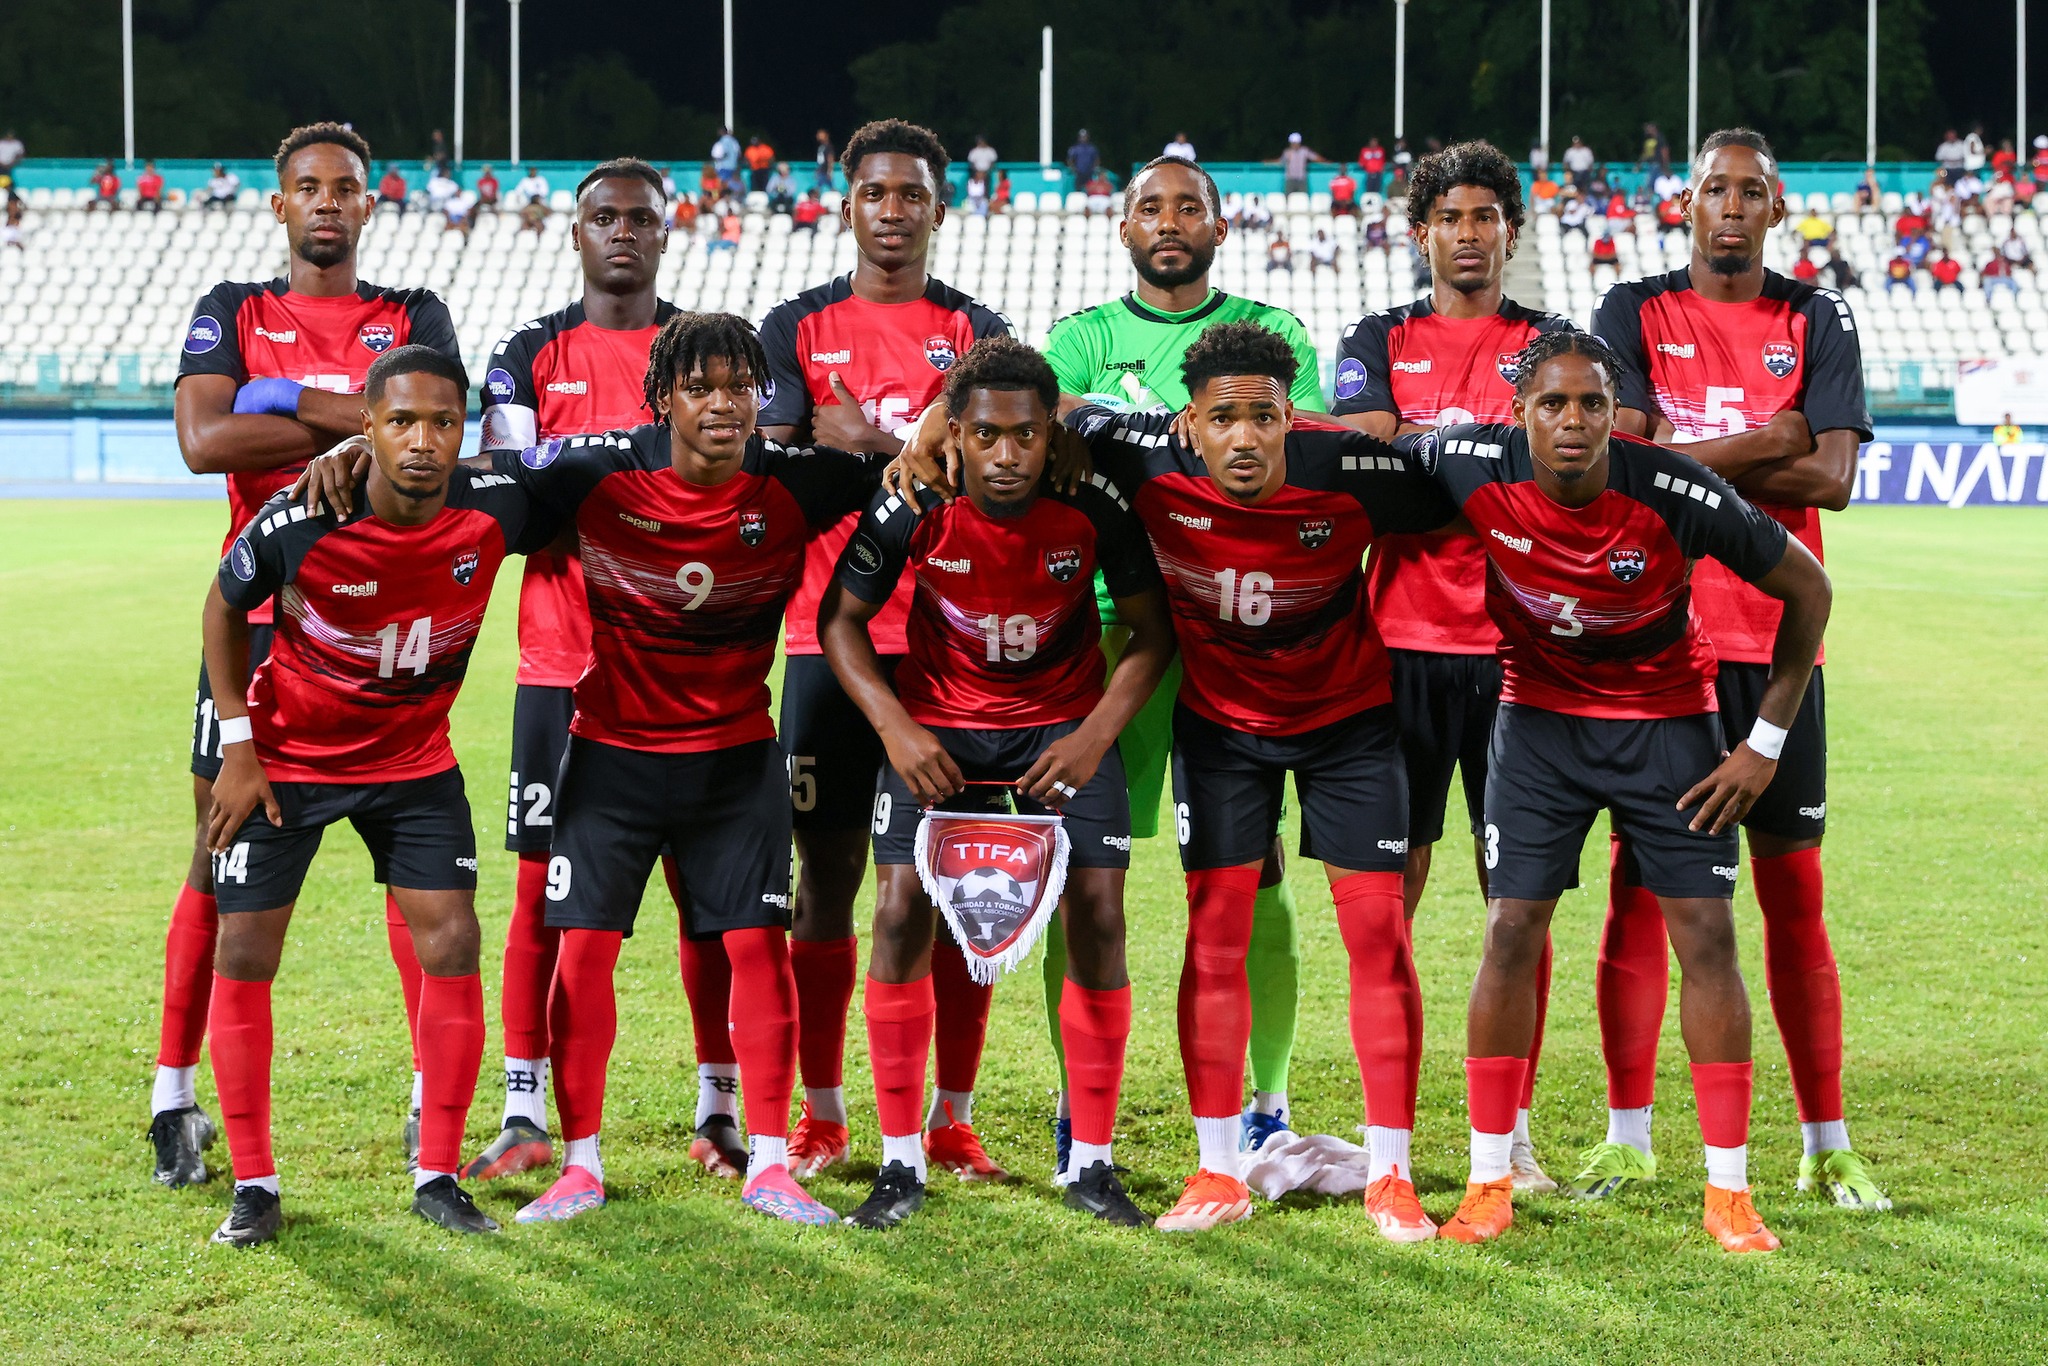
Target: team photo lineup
{"type": "Point", "coordinates": [1026, 612]}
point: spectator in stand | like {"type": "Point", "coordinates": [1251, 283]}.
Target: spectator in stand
{"type": "Point", "coordinates": [149, 188]}
{"type": "Point", "coordinates": [2023, 191]}
{"type": "Point", "coordinates": [1604, 253]}
{"type": "Point", "coordinates": [11, 153]}
{"type": "Point", "coordinates": [725, 156]}
{"type": "Point", "coordinates": [1866, 189]}
{"type": "Point", "coordinates": [982, 158]}
{"type": "Point", "coordinates": [1401, 160]}
{"type": "Point", "coordinates": [2007, 433]}
{"type": "Point", "coordinates": [2005, 161]}
{"type": "Point", "coordinates": [1253, 215]}
{"type": "Point", "coordinates": [441, 187]}
{"type": "Point", "coordinates": [1973, 150]}
{"type": "Point", "coordinates": [2040, 162]}
{"type": "Point", "coordinates": [437, 154]}
{"type": "Point", "coordinates": [668, 183]}
{"type": "Point", "coordinates": [533, 213]}
{"type": "Point", "coordinates": [809, 210]}
{"type": "Point", "coordinates": [1372, 160]}
{"type": "Point", "coordinates": [1912, 221]}
{"type": "Point", "coordinates": [1656, 151]}
{"type": "Point", "coordinates": [487, 191]}
{"type": "Point", "coordinates": [106, 189]}
{"type": "Point", "coordinates": [1180, 147]}
{"type": "Point", "coordinates": [1947, 272]}
{"type": "Point", "coordinates": [1376, 234]}
{"type": "Point", "coordinates": [728, 236]}
{"type": "Point", "coordinates": [1999, 195]}
{"type": "Point", "coordinates": [977, 194]}
{"type": "Point", "coordinates": [1544, 192]}
{"type": "Point", "coordinates": [683, 216]}
{"type": "Point", "coordinates": [1598, 187]}
{"type": "Point", "coordinates": [1948, 157]}
{"type": "Point", "coordinates": [1578, 161]}
{"type": "Point", "coordinates": [781, 189]}
{"type": "Point", "coordinates": [1279, 255]}
{"type": "Point", "coordinates": [1539, 161]}
{"type": "Point", "coordinates": [1671, 213]}
{"type": "Point", "coordinates": [1574, 212]}
{"type": "Point", "coordinates": [460, 209]}
{"type": "Point", "coordinates": [14, 233]}
{"type": "Point", "coordinates": [1343, 194]}
{"type": "Point", "coordinates": [1815, 228]}
{"type": "Point", "coordinates": [1083, 157]}
{"type": "Point", "coordinates": [1997, 273]}
{"type": "Point", "coordinates": [1667, 184]}
{"type": "Point", "coordinates": [1944, 214]}
{"type": "Point", "coordinates": [531, 190]}
{"type": "Point", "coordinates": [391, 189]}
{"type": "Point", "coordinates": [709, 182]}
{"type": "Point", "coordinates": [1899, 271]}
{"type": "Point", "coordinates": [1617, 204]}
{"type": "Point", "coordinates": [1970, 192]}
{"type": "Point", "coordinates": [222, 187]}
{"type": "Point", "coordinates": [760, 163]}
{"type": "Point", "coordinates": [1322, 252]}
{"type": "Point", "coordinates": [1099, 189]}
{"type": "Point", "coordinates": [999, 202]}
{"type": "Point", "coordinates": [826, 157]}
{"type": "Point", "coordinates": [1805, 269]}
{"type": "Point", "coordinates": [1837, 274]}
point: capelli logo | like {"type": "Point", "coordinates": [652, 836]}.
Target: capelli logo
{"type": "Point", "coordinates": [1192, 523]}
{"type": "Point", "coordinates": [1521, 543]}
{"type": "Point", "coordinates": [1815, 813]}
{"type": "Point", "coordinates": [1683, 352]}
{"type": "Point", "coordinates": [839, 357]}
{"type": "Point", "coordinates": [1394, 846]}
{"type": "Point", "coordinates": [1723, 870]}
{"type": "Point", "coordinates": [1122, 842]}
{"type": "Point", "coordinates": [569, 386]}
{"type": "Point", "coordinates": [356, 590]}
{"type": "Point", "coordinates": [961, 566]}
{"type": "Point", "coordinates": [778, 900]}
{"type": "Point", "coordinates": [644, 523]}
{"type": "Point", "coordinates": [289, 338]}
{"type": "Point", "coordinates": [1412, 367]}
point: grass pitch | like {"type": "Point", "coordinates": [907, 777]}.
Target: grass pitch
{"type": "Point", "coordinates": [1937, 885]}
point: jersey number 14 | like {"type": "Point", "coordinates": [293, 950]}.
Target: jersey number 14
{"type": "Point", "coordinates": [391, 656]}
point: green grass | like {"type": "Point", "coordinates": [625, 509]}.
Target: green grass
{"type": "Point", "coordinates": [1937, 883]}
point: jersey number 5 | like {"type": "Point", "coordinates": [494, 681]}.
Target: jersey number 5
{"type": "Point", "coordinates": [391, 656]}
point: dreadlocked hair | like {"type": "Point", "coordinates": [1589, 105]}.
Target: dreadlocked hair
{"type": "Point", "coordinates": [688, 341]}
{"type": "Point", "coordinates": [895, 135]}
{"type": "Point", "coordinates": [314, 134]}
{"type": "Point", "coordinates": [1736, 137]}
{"type": "Point", "coordinates": [1000, 363]}
{"type": "Point", "coordinates": [1479, 164]}
{"type": "Point", "coordinates": [1238, 349]}
{"type": "Point", "coordinates": [1567, 341]}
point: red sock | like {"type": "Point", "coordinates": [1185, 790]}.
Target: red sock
{"type": "Point", "coordinates": [1215, 999]}
{"type": "Point", "coordinates": [962, 1026]}
{"type": "Point", "coordinates": [1805, 987]}
{"type": "Point", "coordinates": [764, 1026]}
{"type": "Point", "coordinates": [1542, 1009]}
{"type": "Point", "coordinates": [188, 977]}
{"type": "Point", "coordinates": [1631, 982]}
{"type": "Point", "coordinates": [530, 948]}
{"type": "Point", "coordinates": [900, 1018]}
{"type": "Point", "coordinates": [399, 936]}
{"type": "Point", "coordinates": [1722, 1090]}
{"type": "Point", "coordinates": [452, 1028]}
{"type": "Point", "coordinates": [583, 1021]}
{"type": "Point", "coordinates": [825, 972]}
{"type": "Point", "coordinates": [707, 983]}
{"type": "Point", "coordinates": [239, 1036]}
{"type": "Point", "coordinates": [1094, 1028]}
{"type": "Point", "coordinates": [1386, 995]}
{"type": "Point", "coordinates": [1492, 1085]}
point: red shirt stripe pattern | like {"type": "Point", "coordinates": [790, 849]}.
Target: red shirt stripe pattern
{"type": "Point", "coordinates": [894, 359]}
{"type": "Point", "coordinates": [1594, 604]}
{"type": "Point", "coordinates": [1715, 369]}
{"type": "Point", "coordinates": [1269, 604]}
{"type": "Point", "coordinates": [557, 376]}
{"type": "Point", "coordinates": [687, 582]}
{"type": "Point", "coordinates": [1003, 632]}
{"type": "Point", "coordinates": [374, 627]}
{"type": "Point", "coordinates": [1428, 592]}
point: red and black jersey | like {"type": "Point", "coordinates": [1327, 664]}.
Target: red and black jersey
{"type": "Point", "coordinates": [1594, 603]}
{"type": "Point", "coordinates": [1713, 369]}
{"type": "Point", "coordinates": [1003, 630]}
{"type": "Point", "coordinates": [1428, 592]}
{"type": "Point", "coordinates": [265, 331]}
{"type": "Point", "coordinates": [894, 359]}
{"type": "Point", "coordinates": [686, 582]}
{"type": "Point", "coordinates": [557, 376]}
{"type": "Point", "coordinates": [374, 626]}
{"type": "Point", "coordinates": [1269, 604]}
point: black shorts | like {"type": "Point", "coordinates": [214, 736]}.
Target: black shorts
{"type": "Point", "coordinates": [1445, 705]}
{"type": "Point", "coordinates": [1098, 816]}
{"type": "Point", "coordinates": [1228, 786]}
{"type": "Point", "coordinates": [540, 737]}
{"type": "Point", "coordinates": [834, 754]}
{"type": "Point", "coordinates": [206, 747]}
{"type": "Point", "coordinates": [724, 813]}
{"type": "Point", "coordinates": [418, 832]}
{"type": "Point", "coordinates": [1550, 775]}
{"type": "Point", "coordinates": [1795, 805]}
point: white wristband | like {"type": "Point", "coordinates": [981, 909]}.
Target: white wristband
{"type": "Point", "coordinates": [235, 730]}
{"type": "Point", "coordinates": [1767, 739]}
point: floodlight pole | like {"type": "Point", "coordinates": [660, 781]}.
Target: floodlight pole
{"type": "Point", "coordinates": [1692, 81]}
{"type": "Point", "coordinates": [128, 83]}
{"type": "Point", "coordinates": [1400, 63]}
{"type": "Point", "coordinates": [515, 79]}
{"type": "Point", "coordinates": [728, 65]}
{"type": "Point", "coordinates": [461, 33]}
{"type": "Point", "coordinates": [1543, 119]}
{"type": "Point", "coordinates": [2019, 47]}
{"type": "Point", "coordinates": [1870, 90]}
{"type": "Point", "coordinates": [1045, 96]}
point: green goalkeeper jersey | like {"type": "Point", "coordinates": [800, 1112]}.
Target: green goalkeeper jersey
{"type": "Point", "coordinates": [1125, 355]}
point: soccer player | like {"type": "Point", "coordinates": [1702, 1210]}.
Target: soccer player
{"type": "Point", "coordinates": [347, 719]}
{"type": "Point", "coordinates": [1762, 377]}
{"type": "Point", "coordinates": [693, 533]}
{"type": "Point", "coordinates": [1607, 702]}
{"type": "Point", "coordinates": [1446, 358]}
{"type": "Point", "coordinates": [581, 369]}
{"type": "Point", "coordinates": [851, 362]}
{"type": "Point", "coordinates": [1003, 683]}
{"type": "Point", "coordinates": [271, 376]}
{"type": "Point", "coordinates": [1261, 535]}
{"type": "Point", "coordinates": [1127, 354]}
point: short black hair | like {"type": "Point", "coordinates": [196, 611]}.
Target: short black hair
{"type": "Point", "coordinates": [312, 135]}
{"type": "Point", "coordinates": [1566, 341]}
{"type": "Point", "coordinates": [1001, 362]}
{"type": "Point", "coordinates": [1736, 137]}
{"type": "Point", "coordinates": [623, 168]}
{"type": "Point", "coordinates": [414, 359]}
{"type": "Point", "coordinates": [894, 135]}
{"type": "Point", "coordinates": [1209, 191]}
{"type": "Point", "coordinates": [1477, 163]}
{"type": "Point", "coordinates": [688, 340]}
{"type": "Point", "coordinates": [1242, 348]}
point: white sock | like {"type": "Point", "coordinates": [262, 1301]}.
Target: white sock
{"type": "Point", "coordinates": [1086, 1155]}
{"type": "Point", "coordinates": [718, 1090]}
{"type": "Point", "coordinates": [1631, 1127]}
{"type": "Point", "coordinates": [1063, 1108]}
{"type": "Point", "coordinates": [962, 1103]}
{"type": "Point", "coordinates": [1218, 1140]}
{"type": "Point", "coordinates": [419, 1090]}
{"type": "Point", "coordinates": [907, 1149]}
{"type": "Point", "coordinates": [1826, 1136]}
{"type": "Point", "coordinates": [423, 1177]}
{"type": "Point", "coordinates": [582, 1152]}
{"type": "Point", "coordinates": [1728, 1168]}
{"type": "Point", "coordinates": [828, 1103]}
{"type": "Point", "coordinates": [526, 1095]}
{"type": "Point", "coordinates": [1522, 1139]}
{"type": "Point", "coordinates": [268, 1183]}
{"type": "Point", "coordinates": [174, 1089]}
{"type": "Point", "coordinates": [1389, 1152]}
{"type": "Point", "coordinates": [767, 1152]}
{"type": "Point", "coordinates": [1270, 1103]}
{"type": "Point", "coordinates": [1490, 1156]}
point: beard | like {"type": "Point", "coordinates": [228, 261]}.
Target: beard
{"type": "Point", "coordinates": [315, 252]}
{"type": "Point", "coordinates": [1729, 263]}
{"type": "Point", "coordinates": [1199, 261]}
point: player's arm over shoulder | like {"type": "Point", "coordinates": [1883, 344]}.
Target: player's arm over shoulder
{"type": "Point", "coordinates": [879, 548]}
{"type": "Point", "coordinates": [527, 523]}
{"type": "Point", "coordinates": [826, 482]}
{"type": "Point", "coordinates": [1707, 517]}
{"type": "Point", "coordinates": [1391, 481]}
{"type": "Point", "coordinates": [1127, 448]}
{"type": "Point", "coordinates": [559, 471]}
{"type": "Point", "coordinates": [1122, 550]}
